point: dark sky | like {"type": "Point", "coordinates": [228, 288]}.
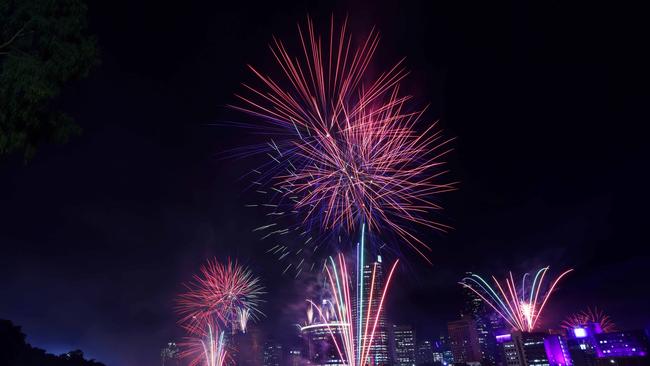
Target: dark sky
{"type": "Point", "coordinates": [547, 101]}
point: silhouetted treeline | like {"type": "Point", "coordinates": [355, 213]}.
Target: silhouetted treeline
{"type": "Point", "coordinates": [14, 351]}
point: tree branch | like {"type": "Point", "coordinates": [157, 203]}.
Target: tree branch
{"type": "Point", "coordinates": [10, 41]}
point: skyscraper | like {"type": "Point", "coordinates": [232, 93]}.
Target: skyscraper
{"type": "Point", "coordinates": [247, 347]}
{"type": "Point", "coordinates": [623, 344]}
{"type": "Point", "coordinates": [170, 355]}
{"type": "Point", "coordinates": [321, 349]}
{"type": "Point", "coordinates": [294, 357]}
{"type": "Point", "coordinates": [581, 341]}
{"type": "Point", "coordinates": [487, 323]}
{"type": "Point", "coordinates": [442, 350]}
{"type": "Point", "coordinates": [402, 345]}
{"type": "Point", "coordinates": [424, 354]}
{"type": "Point", "coordinates": [272, 354]}
{"type": "Point", "coordinates": [528, 349]}
{"type": "Point", "coordinates": [379, 349]}
{"type": "Point", "coordinates": [464, 341]}
{"type": "Point", "coordinates": [557, 350]}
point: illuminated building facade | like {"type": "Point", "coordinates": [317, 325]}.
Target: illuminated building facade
{"type": "Point", "coordinates": [524, 349]}
{"type": "Point", "coordinates": [582, 344]}
{"type": "Point", "coordinates": [424, 355]}
{"type": "Point", "coordinates": [622, 344]}
{"type": "Point", "coordinates": [487, 324]}
{"type": "Point", "coordinates": [272, 354]}
{"type": "Point", "coordinates": [441, 347]}
{"type": "Point", "coordinates": [510, 353]}
{"type": "Point", "coordinates": [463, 341]}
{"type": "Point", "coordinates": [557, 350]}
{"type": "Point", "coordinates": [248, 348]}
{"type": "Point", "coordinates": [402, 345]}
{"type": "Point", "coordinates": [378, 354]}
{"type": "Point", "coordinates": [321, 349]}
{"type": "Point", "coordinates": [589, 346]}
{"type": "Point", "coordinates": [295, 358]}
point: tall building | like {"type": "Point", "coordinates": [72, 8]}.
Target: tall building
{"type": "Point", "coordinates": [590, 346]}
{"type": "Point", "coordinates": [464, 341]}
{"type": "Point", "coordinates": [622, 344]}
{"type": "Point", "coordinates": [534, 349]}
{"type": "Point", "coordinates": [170, 355]}
{"type": "Point", "coordinates": [295, 357]}
{"type": "Point", "coordinates": [320, 347]}
{"type": "Point", "coordinates": [248, 348]}
{"type": "Point", "coordinates": [582, 344]}
{"type": "Point", "coordinates": [378, 354]}
{"type": "Point", "coordinates": [487, 323]}
{"type": "Point", "coordinates": [509, 350]}
{"type": "Point", "coordinates": [424, 355]}
{"type": "Point", "coordinates": [442, 348]}
{"type": "Point", "coordinates": [557, 350]}
{"type": "Point", "coordinates": [402, 341]}
{"type": "Point", "coordinates": [272, 354]}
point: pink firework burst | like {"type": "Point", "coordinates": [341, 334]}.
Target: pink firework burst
{"type": "Point", "coordinates": [218, 293]}
{"type": "Point", "coordinates": [587, 316]}
{"type": "Point", "coordinates": [350, 149]}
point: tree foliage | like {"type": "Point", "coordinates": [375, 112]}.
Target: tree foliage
{"type": "Point", "coordinates": [43, 45]}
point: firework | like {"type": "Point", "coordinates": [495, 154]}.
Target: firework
{"type": "Point", "coordinates": [587, 316]}
{"type": "Point", "coordinates": [522, 307]}
{"type": "Point", "coordinates": [310, 314]}
{"type": "Point", "coordinates": [347, 147]}
{"type": "Point", "coordinates": [352, 328]}
{"type": "Point", "coordinates": [206, 347]}
{"type": "Point", "coordinates": [220, 292]}
{"type": "Point", "coordinates": [243, 315]}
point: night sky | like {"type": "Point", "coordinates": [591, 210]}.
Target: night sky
{"type": "Point", "coordinates": [546, 101]}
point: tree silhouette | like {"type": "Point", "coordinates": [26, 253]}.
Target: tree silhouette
{"type": "Point", "coordinates": [43, 46]}
{"type": "Point", "coordinates": [14, 351]}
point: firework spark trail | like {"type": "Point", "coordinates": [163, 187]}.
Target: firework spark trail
{"type": "Point", "coordinates": [521, 309]}
{"type": "Point", "coordinates": [310, 314]}
{"type": "Point", "coordinates": [356, 339]}
{"type": "Point", "coordinates": [219, 293]}
{"type": "Point", "coordinates": [243, 314]}
{"type": "Point", "coordinates": [350, 152]}
{"type": "Point", "coordinates": [587, 316]}
{"type": "Point", "coordinates": [206, 347]}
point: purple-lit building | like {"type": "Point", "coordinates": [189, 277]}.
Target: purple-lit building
{"type": "Point", "coordinates": [508, 349]}
{"type": "Point", "coordinates": [622, 346]}
{"type": "Point", "coordinates": [464, 342]}
{"type": "Point", "coordinates": [557, 350]}
{"type": "Point", "coordinates": [589, 346]}
{"type": "Point", "coordinates": [321, 349]}
{"type": "Point", "coordinates": [582, 344]}
{"type": "Point", "coordinates": [523, 349]}
{"type": "Point", "coordinates": [533, 349]}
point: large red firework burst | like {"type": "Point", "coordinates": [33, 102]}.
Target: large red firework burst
{"type": "Point", "coordinates": [348, 147]}
{"type": "Point", "coordinates": [587, 316]}
{"type": "Point", "coordinates": [217, 294]}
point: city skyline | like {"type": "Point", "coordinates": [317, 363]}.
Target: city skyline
{"type": "Point", "coordinates": [583, 344]}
